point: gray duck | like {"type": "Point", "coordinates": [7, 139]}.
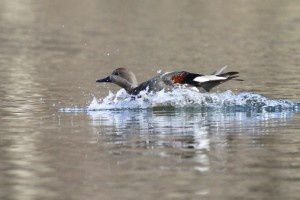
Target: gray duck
{"type": "Point", "coordinates": [127, 80]}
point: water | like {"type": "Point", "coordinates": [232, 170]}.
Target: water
{"type": "Point", "coordinates": [186, 97]}
{"type": "Point", "coordinates": [62, 136]}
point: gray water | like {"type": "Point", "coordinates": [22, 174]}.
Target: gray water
{"type": "Point", "coordinates": [51, 53]}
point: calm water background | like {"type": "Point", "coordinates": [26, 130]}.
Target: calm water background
{"type": "Point", "coordinates": [51, 53]}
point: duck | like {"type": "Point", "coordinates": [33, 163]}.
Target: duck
{"type": "Point", "coordinates": [126, 79]}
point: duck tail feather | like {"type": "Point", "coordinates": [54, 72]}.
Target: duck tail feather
{"type": "Point", "coordinates": [218, 72]}
{"type": "Point", "coordinates": [229, 74]}
{"type": "Point", "coordinates": [207, 86]}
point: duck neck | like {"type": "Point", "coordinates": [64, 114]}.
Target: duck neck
{"type": "Point", "coordinates": [123, 83]}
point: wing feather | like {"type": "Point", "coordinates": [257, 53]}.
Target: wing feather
{"type": "Point", "coordinates": [207, 78]}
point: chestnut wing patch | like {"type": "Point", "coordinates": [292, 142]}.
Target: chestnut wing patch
{"type": "Point", "coordinates": [179, 78]}
{"type": "Point", "coordinates": [185, 78]}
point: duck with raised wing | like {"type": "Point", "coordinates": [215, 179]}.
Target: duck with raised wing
{"type": "Point", "coordinates": [127, 80]}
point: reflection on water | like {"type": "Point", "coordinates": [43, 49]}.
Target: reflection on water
{"type": "Point", "coordinates": [219, 146]}
{"type": "Point", "coordinates": [51, 53]}
{"type": "Point", "coordinates": [182, 128]}
{"type": "Point", "coordinates": [155, 128]}
{"type": "Point", "coordinates": [183, 121]}
{"type": "Point", "coordinates": [23, 165]}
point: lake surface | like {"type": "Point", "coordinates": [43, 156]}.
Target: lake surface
{"type": "Point", "coordinates": [54, 144]}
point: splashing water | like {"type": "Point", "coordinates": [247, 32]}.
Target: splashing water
{"type": "Point", "coordinates": [182, 97]}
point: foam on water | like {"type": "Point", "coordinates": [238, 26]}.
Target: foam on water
{"type": "Point", "coordinates": [182, 97]}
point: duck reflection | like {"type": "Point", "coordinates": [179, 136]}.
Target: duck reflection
{"type": "Point", "coordinates": [184, 121]}
{"type": "Point", "coordinates": [187, 133]}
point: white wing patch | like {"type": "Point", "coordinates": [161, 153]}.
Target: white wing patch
{"type": "Point", "coordinates": [203, 79]}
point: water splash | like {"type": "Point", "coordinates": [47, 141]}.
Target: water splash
{"type": "Point", "coordinates": [182, 97]}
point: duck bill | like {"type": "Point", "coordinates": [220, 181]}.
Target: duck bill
{"type": "Point", "coordinates": [104, 80]}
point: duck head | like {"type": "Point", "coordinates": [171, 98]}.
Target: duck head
{"type": "Point", "coordinates": [121, 77]}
